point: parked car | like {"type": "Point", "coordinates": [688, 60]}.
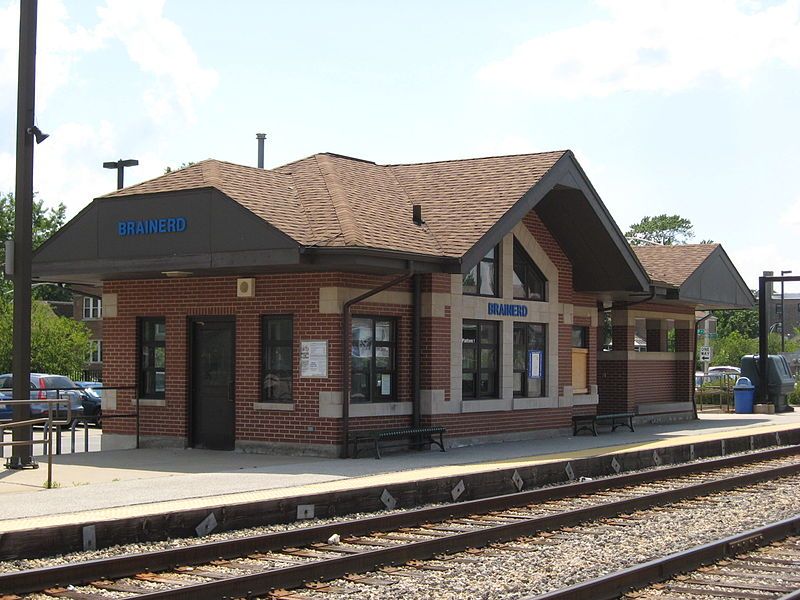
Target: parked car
{"type": "Point", "coordinates": [724, 369]}
{"type": "Point", "coordinates": [5, 410]}
{"type": "Point", "coordinates": [49, 387]}
{"type": "Point", "coordinates": [91, 401]}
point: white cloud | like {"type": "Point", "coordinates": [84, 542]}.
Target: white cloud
{"type": "Point", "coordinates": [791, 218]}
{"type": "Point", "coordinates": [658, 46]}
{"type": "Point", "coordinates": [157, 45]}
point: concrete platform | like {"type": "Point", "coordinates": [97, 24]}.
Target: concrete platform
{"type": "Point", "coordinates": [103, 486]}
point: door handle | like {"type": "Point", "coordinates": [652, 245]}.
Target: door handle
{"type": "Point", "coordinates": [231, 391]}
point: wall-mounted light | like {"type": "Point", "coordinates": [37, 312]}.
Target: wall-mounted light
{"type": "Point", "coordinates": [176, 274]}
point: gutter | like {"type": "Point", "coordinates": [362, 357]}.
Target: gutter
{"type": "Point", "coordinates": [346, 355]}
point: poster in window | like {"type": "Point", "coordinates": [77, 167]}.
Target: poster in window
{"type": "Point", "coordinates": [314, 358]}
{"type": "Point", "coordinates": [534, 364]}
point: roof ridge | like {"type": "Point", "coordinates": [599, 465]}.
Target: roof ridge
{"type": "Point", "coordinates": [198, 164]}
{"type": "Point", "coordinates": [211, 173]}
{"type": "Point", "coordinates": [455, 160]}
{"type": "Point", "coordinates": [428, 230]}
{"type": "Point", "coordinates": [341, 205]}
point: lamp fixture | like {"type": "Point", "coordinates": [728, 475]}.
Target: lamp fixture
{"type": "Point", "coordinates": [176, 274]}
{"type": "Point", "coordinates": [38, 134]}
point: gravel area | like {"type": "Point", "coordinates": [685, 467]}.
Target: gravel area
{"type": "Point", "coordinates": [551, 561]}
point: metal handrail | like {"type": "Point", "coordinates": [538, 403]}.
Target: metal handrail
{"type": "Point", "coordinates": [47, 438]}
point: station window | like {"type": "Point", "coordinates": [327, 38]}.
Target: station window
{"type": "Point", "coordinates": [529, 338]}
{"type": "Point", "coordinates": [95, 351]}
{"type": "Point", "coordinates": [276, 359]}
{"type": "Point", "coordinates": [480, 359]}
{"type": "Point", "coordinates": [152, 357]}
{"type": "Point", "coordinates": [92, 308]}
{"type": "Point", "coordinates": [482, 279]}
{"type": "Point", "coordinates": [529, 282]}
{"type": "Point", "coordinates": [373, 376]}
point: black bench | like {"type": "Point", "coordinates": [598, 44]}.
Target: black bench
{"type": "Point", "coordinates": [419, 436]}
{"type": "Point", "coordinates": [589, 422]}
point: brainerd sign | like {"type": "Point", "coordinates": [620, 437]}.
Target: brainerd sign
{"type": "Point", "coordinates": [151, 226]}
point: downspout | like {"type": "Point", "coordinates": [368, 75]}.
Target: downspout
{"type": "Point", "coordinates": [346, 355]}
{"type": "Point", "coordinates": [694, 364]}
{"type": "Point", "coordinates": [416, 349]}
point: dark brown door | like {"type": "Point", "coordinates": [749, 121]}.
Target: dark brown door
{"type": "Point", "coordinates": [213, 369]}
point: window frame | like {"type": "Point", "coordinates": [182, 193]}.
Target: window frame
{"type": "Point", "coordinates": [265, 346]}
{"type": "Point", "coordinates": [374, 371]}
{"type": "Point", "coordinates": [93, 309]}
{"type": "Point", "coordinates": [524, 393]}
{"type": "Point", "coordinates": [141, 343]}
{"type": "Point", "coordinates": [495, 260]}
{"type": "Point", "coordinates": [479, 367]}
{"type": "Point", "coordinates": [521, 256]}
{"type": "Point", "coordinates": [95, 352]}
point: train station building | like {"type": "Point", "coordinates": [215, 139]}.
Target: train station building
{"type": "Point", "coordinates": [281, 310]}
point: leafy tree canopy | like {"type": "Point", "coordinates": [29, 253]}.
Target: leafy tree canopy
{"type": "Point", "coordinates": [46, 221]}
{"type": "Point", "coordinates": [667, 230]}
{"type": "Point", "coordinates": [58, 344]}
{"type": "Point", "coordinates": [744, 322]}
{"type": "Point", "coordinates": [182, 166]}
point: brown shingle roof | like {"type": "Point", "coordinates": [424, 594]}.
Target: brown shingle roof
{"type": "Point", "coordinates": [673, 265]}
{"type": "Point", "coordinates": [332, 200]}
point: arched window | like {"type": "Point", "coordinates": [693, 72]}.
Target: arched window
{"type": "Point", "coordinates": [529, 283]}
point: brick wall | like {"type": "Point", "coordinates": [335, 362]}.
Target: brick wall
{"type": "Point", "coordinates": [295, 294]}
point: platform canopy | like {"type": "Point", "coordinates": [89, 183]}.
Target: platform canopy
{"type": "Point", "coordinates": [701, 275]}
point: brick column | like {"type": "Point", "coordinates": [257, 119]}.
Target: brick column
{"type": "Point", "coordinates": [656, 336]}
{"type": "Point", "coordinates": [684, 369]}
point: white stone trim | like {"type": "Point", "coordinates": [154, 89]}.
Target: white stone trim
{"type": "Point", "coordinates": [432, 402]}
{"type": "Point", "coordinates": [109, 304]}
{"type": "Point", "coordinates": [476, 307]}
{"type": "Point", "coordinates": [158, 402]}
{"type": "Point", "coordinates": [634, 356]}
{"type": "Point", "coordinates": [330, 406]}
{"type": "Point", "coordinates": [285, 406]}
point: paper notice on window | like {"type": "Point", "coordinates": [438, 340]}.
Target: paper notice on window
{"type": "Point", "coordinates": [314, 358]}
{"type": "Point", "coordinates": [534, 364]}
{"type": "Point", "coordinates": [386, 385]}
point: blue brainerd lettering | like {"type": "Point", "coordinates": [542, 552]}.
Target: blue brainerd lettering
{"type": "Point", "coordinates": [148, 226]}
{"type": "Point", "coordinates": [507, 310]}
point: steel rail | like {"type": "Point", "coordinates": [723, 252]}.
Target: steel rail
{"type": "Point", "coordinates": [613, 585]}
{"type": "Point", "coordinates": [117, 567]}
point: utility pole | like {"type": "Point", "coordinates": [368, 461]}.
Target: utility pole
{"type": "Point", "coordinates": [22, 454]}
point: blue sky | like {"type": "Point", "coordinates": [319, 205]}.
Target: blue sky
{"type": "Point", "coordinates": [671, 107]}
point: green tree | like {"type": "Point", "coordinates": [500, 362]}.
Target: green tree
{"type": "Point", "coordinates": [730, 349]}
{"type": "Point", "coordinates": [182, 166]}
{"type": "Point", "coordinates": [667, 230]}
{"type": "Point", "coordinates": [58, 344]}
{"type": "Point", "coordinates": [744, 322]}
{"type": "Point", "coordinates": [46, 221]}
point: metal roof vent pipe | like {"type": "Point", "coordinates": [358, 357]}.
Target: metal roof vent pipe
{"type": "Point", "coordinates": [417, 208]}
{"type": "Point", "coordinates": [261, 137]}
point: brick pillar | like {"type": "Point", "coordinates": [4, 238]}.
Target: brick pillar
{"type": "Point", "coordinates": [656, 336]}
{"type": "Point", "coordinates": [612, 367]}
{"type": "Point", "coordinates": [684, 369]}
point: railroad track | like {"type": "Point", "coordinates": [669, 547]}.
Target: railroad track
{"type": "Point", "coordinates": [723, 569]}
{"type": "Point", "coordinates": [259, 565]}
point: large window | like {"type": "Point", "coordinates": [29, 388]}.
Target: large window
{"type": "Point", "coordinates": [276, 359]}
{"type": "Point", "coordinates": [92, 308]}
{"type": "Point", "coordinates": [530, 341]}
{"type": "Point", "coordinates": [529, 283]}
{"type": "Point", "coordinates": [152, 357]}
{"type": "Point", "coordinates": [480, 359]}
{"type": "Point", "coordinates": [373, 376]}
{"type": "Point", "coordinates": [482, 279]}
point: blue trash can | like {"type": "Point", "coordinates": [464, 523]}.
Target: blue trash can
{"type": "Point", "coordinates": [744, 394]}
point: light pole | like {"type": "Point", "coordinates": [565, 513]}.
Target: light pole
{"type": "Point", "coordinates": [120, 167]}
{"type": "Point", "coordinates": [783, 316]}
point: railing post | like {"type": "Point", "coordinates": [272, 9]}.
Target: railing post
{"type": "Point", "coordinates": [85, 435]}
{"type": "Point", "coordinates": [50, 449]}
